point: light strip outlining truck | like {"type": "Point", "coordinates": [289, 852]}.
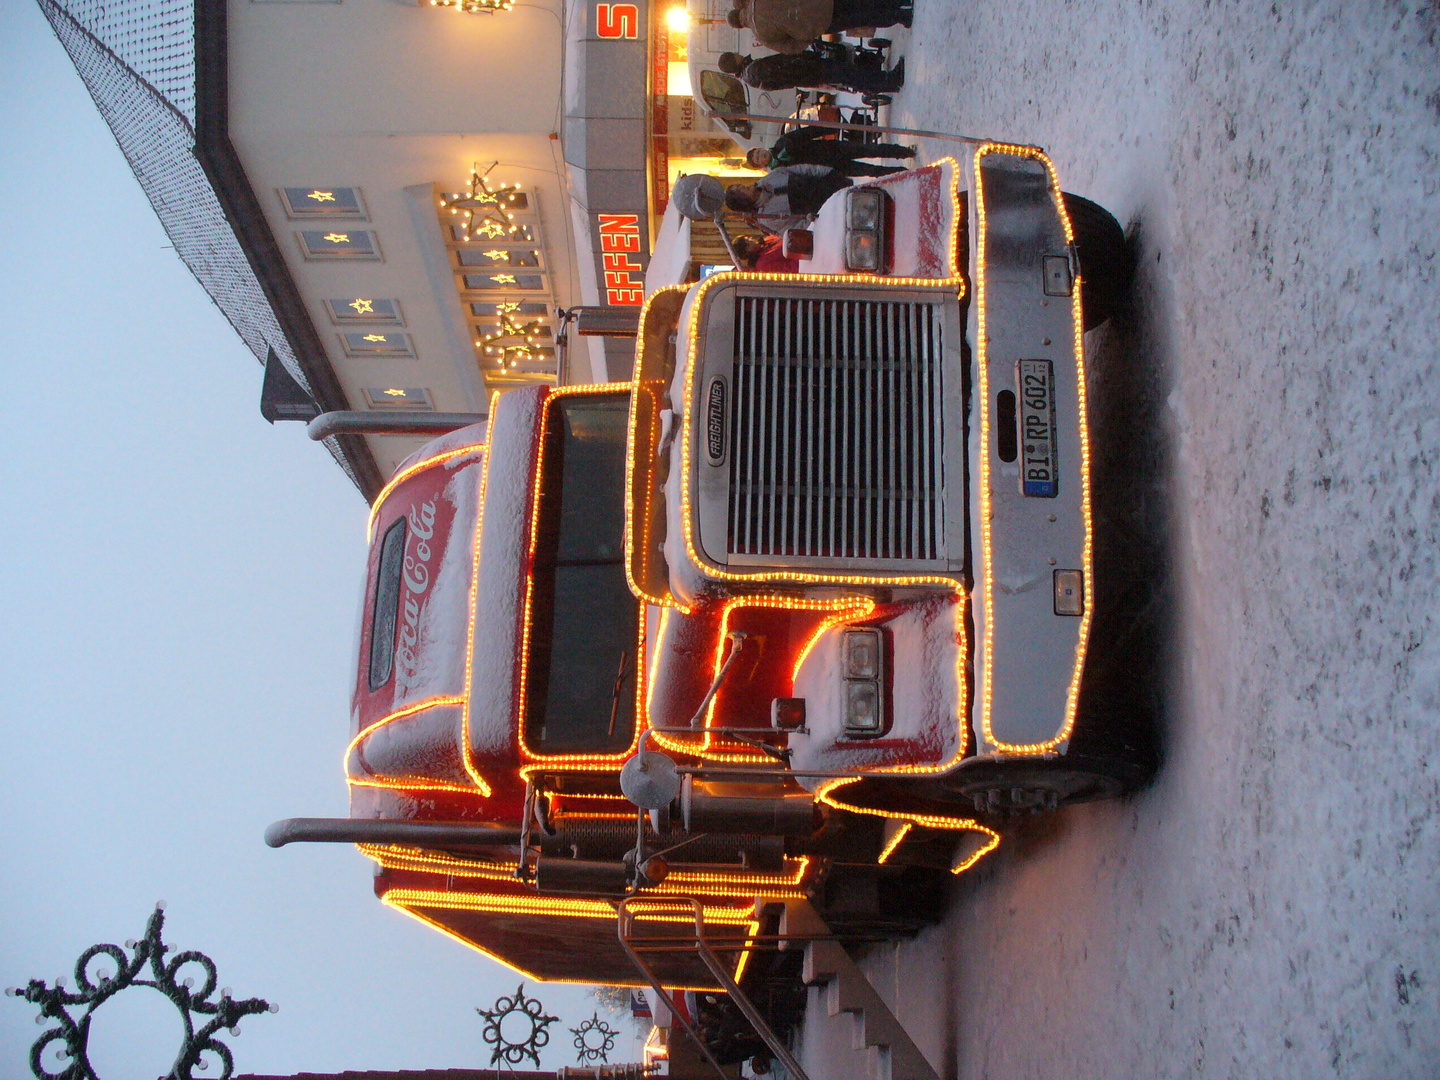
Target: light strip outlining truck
{"type": "Point", "coordinates": [816, 586]}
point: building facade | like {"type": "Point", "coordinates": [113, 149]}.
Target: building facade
{"type": "Point", "coordinates": [391, 201]}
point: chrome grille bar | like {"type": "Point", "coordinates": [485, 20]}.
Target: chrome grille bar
{"type": "Point", "coordinates": [835, 430]}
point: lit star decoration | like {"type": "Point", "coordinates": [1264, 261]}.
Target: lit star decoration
{"type": "Point", "coordinates": [486, 209]}
{"type": "Point", "coordinates": [508, 1050]}
{"type": "Point", "coordinates": [321, 196]}
{"type": "Point", "coordinates": [498, 254]}
{"type": "Point", "coordinates": [338, 237]}
{"type": "Point", "coordinates": [373, 337]}
{"type": "Point", "coordinates": [503, 279]}
{"type": "Point", "coordinates": [392, 392]}
{"type": "Point", "coordinates": [512, 341]}
{"type": "Point", "coordinates": [362, 307]}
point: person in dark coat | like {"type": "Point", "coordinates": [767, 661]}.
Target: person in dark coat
{"type": "Point", "coordinates": [808, 146]}
{"type": "Point", "coordinates": [788, 26]}
{"type": "Point", "coordinates": [785, 198]}
{"type": "Point", "coordinates": [829, 69]}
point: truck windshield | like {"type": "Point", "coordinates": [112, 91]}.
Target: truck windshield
{"type": "Point", "coordinates": [580, 675]}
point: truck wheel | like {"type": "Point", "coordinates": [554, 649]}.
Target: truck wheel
{"type": "Point", "coordinates": [1105, 261]}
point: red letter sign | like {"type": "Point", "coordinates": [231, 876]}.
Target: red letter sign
{"type": "Point", "coordinates": [617, 20]}
{"type": "Point", "coordinates": [624, 276]}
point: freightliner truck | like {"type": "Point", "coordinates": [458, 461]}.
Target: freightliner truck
{"type": "Point", "coordinates": [800, 613]}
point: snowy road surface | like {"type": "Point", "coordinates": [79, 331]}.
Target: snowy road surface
{"type": "Point", "coordinates": [1270, 905]}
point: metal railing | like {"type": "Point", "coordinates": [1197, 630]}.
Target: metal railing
{"type": "Point", "coordinates": [628, 912]}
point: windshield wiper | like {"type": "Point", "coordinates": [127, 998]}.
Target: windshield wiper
{"type": "Point", "coordinates": [615, 697]}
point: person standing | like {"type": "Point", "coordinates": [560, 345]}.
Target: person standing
{"type": "Point", "coordinates": [827, 70]}
{"type": "Point", "coordinates": [809, 146]}
{"type": "Point", "coordinates": [789, 26]}
{"type": "Point", "coordinates": [786, 198]}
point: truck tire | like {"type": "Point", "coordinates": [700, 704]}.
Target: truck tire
{"type": "Point", "coordinates": [1105, 260]}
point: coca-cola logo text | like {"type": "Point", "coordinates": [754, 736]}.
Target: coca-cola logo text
{"type": "Point", "coordinates": [416, 578]}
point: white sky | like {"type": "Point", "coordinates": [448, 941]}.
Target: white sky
{"type": "Point", "coordinates": [179, 583]}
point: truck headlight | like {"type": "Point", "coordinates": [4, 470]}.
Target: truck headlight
{"type": "Point", "coordinates": [863, 666]}
{"type": "Point", "coordinates": [865, 209]}
{"type": "Point", "coordinates": [864, 228]}
{"type": "Point", "coordinates": [862, 654]}
{"type": "Point", "coordinates": [862, 251]}
{"type": "Point", "coordinates": [862, 708]}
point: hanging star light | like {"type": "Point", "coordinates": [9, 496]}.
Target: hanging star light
{"type": "Point", "coordinates": [527, 1011]}
{"type": "Point", "coordinates": [594, 1039]}
{"type": "Point", "coordinates": [485, 209]}
{"type": "Point", "coordinates": [512, 341]}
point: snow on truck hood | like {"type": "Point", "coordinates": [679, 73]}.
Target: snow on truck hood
{"type": "Point", "coordinates": [923, 230]}
{"type": "Point", "coordinates": [923, 237]}
{"type": "Point", "coordinates": [670, 259]}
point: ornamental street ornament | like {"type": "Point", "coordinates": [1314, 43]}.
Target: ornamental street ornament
{"type": "Point", "coordinates": [594, 1039]}
{"type": "Point", "coordinates": [71, 1012]}
{"type": "Point", "coordinates": [528, 1013]}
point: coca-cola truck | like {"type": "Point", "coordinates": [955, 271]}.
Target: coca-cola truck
{"type": "Point", "coordinates": [801, 612]}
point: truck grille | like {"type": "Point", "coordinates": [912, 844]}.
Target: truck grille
{"type": "Point", "coordinates": [835, 430]}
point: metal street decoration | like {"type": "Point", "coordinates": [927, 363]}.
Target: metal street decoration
{"type": "Point", "coordinates": [594, 1039]}
{"type": "Point", "coordinates": [71, 1012]}
{"type": "Point", "coordinates": [530, 1012]}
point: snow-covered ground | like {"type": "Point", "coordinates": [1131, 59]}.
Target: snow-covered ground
{"type": "Point", "coordinates": [1270, 905]}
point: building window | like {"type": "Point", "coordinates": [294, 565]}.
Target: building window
{"type": "Point", "coordinates": [399, 397]}
{"type": "Point", "coordinates": [520, 234]}
{"type": "Point", "coordinates": [375, 343]}
{"type": "Point", "coordinates": [528, 332]}
{"type": "Point", "coordinates": [504, 282]}
{"type": "Point", "coordinates": [306, 202]}
{"type": "Point", "coordinates": [365, 309]}
{"type": "Point", "coordinates": [497, 256]}
{"type": "Point", "coordinates": [525, 309]}
{"type": "Point", "coordinates": [338, 244]}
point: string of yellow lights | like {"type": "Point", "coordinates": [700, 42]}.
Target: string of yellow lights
{"type": "Point", "coordinates": [982, 344]}
{"type": "Point", "coordinates": [929, 821]}
{"type": "Point", "coordinates": [405, 474]}
{"type": "Point", "coordinates": [582, 761]}
{"type": "Point", "coordinates": [632, 452]}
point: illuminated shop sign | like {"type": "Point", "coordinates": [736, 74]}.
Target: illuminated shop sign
{"type": "Point", "coordinates": [617, 20]}
{"type": "Point", "coordinates": [620, 258]}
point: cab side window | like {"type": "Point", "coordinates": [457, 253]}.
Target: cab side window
{"type": "Point", "coordinates": [385, 613]}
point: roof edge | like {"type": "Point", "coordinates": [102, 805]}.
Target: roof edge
{"type": "Point", "coordinates": [222, 166]}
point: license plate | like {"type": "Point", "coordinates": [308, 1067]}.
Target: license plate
{"type": "Point", "coordinates": [1039, 471]}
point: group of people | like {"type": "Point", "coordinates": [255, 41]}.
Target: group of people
{"type": "Point", "coordinates": [805, 169]}
{"type": "Point", "coordinates": [793, 28]}
{"type": "Point", "coordinates": [806, 166]}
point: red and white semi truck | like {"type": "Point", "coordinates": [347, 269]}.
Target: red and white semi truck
{"type": "Point", "coordinates": [821, 573]}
